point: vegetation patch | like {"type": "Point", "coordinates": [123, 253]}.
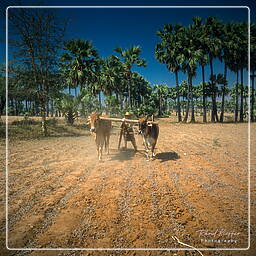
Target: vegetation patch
{"type": "Point", "coordinates": [31, 129]}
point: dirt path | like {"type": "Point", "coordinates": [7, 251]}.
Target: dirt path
{"type": "Point", "coordinates": [60, 196]}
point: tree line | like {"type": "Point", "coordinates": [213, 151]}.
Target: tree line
{"type": "Point", "coordinates": [49, 76]}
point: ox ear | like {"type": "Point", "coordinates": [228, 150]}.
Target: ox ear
{"type": "Point", "coordinates": [88, 121]}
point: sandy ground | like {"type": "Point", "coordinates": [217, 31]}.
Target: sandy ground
{"type": "Point", "coordinates": [61, 196]}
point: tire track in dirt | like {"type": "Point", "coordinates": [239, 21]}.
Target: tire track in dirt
{"type": "Point", "coordinates": [59, 186]}
{"type": "Point", "coordinates": [91, 231]}
{"type": "Point", "coordinates": [140, 229]}
{"type": "Point", "coordinates": [213, 164]}
{"type": "Point", "coordinates": [40, 188]}
{"type": "Point", "coordinates": [174, 211]}
{"type": "Point", "coordinates": [198, 147]}
{"type": "Point", "coordinates": [24, 206]}
{"type": "Point", "coordinates": [20, 186]}
{"type": "Point", "coordinates": [214, 200]}
{"type": "Point", "coordinates": [96, 186]}
{"type": "Point", "coordinates": [124, 209]}
{"type": "Point", "coordinates": [51, 214]}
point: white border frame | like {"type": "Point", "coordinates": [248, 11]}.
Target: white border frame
{"type": "Point", "coordinates": [132, 249]}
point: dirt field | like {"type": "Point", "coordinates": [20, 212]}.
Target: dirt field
{"type": "Point", "coordinates": [61, 196]}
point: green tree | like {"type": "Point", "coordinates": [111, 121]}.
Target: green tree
{"type": "Point", "coordinates": [253, 67]}
{"type": "Point", "coordinates": [188, 60]}
{"type": "Point", "coordinates": [131, 57]}
{"type": "Point", "coordinates": [69, 107]}
{"type": "Point", "coordinates": [167, 52]}
{"type": "Point", "coordinates": [36, 37]}
{"type": "Point", "coordinates": [79, 63]}
{"type": "Point", "coordinates": [214, 37]}
{"type": "Point", "coordinates": [162, 92]}
{"type": "Point", "coordinates": [201, 42]}
{"type": "Point", "coordinates": [2, 95]}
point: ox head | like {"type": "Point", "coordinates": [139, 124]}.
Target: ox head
{"type": "Point", "coordinates": [93, 120]}
{"type": "Point", "coordinates": [143, 123]}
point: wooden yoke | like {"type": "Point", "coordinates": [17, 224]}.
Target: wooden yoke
{"type": "Point", "coordinates": [123, 120]}
{"type": "Point", "coordinates": [119, 119]}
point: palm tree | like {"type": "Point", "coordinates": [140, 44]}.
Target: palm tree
{"type": "Point", "coordinates": [188, 60]}
{"type": "Point", "coordinates": [235, 59]}
{"type": "Point", "coordinates": [227, 55]}
{"type": "Point", "coordinates": [214, 37]}
{"type": "Point", "coordinates": [139, 88]}
{"type": "Point", "coordinates": [253, 66]}
{"type": "Point", "coordinates": [162, 91]}
{"type": "Point", "coordinates": [201, 41]}
{"type": "Point", "coordinates": [112, 76]}
{"type": "Point", "coordinates": [167, 52]}
{"type": "Point", "coordinates": [243, 54]}
{"type": "Point", "coordinates": [131, 57]}
{"type": "Point", "coordinates": [79, 63]}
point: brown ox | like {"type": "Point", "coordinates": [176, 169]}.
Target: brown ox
{"type": "Point", "coordinates": [149, 131]}
{"type": "Point", "coordinates": [101, 129]}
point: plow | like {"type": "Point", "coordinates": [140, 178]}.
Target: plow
{"type": "Point", "coordinates": [124, 127]}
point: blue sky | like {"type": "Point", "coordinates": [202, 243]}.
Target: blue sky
{"type": "Point", "coordinates": [110, 28]}
{"type": "Point", "coordinates": [125, 27]}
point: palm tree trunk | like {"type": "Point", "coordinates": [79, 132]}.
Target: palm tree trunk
{"type": "Point", "coordinates": [188, 104]}
{"type": "Point", "coordinates": [213, 105]}
{"type": "Point", "coordinates": [99, 100]}
{"type": "Point", "coordinates": [52, 107]}
{"type": "Point", "coordinates": [160, 107]}
{"type": "Point", "coordinates": [43, 116]}
{"type": "Point", "coordinates": [178, 96]}
{"type": "Point", "coordinates": [223, 95]}
{"type": "Point", "coordinates": [242, 97]}
{"type": "Point", "coordinates": [214, 115]}
{"type": "Point", "coordinates": [186, 113]}
{"type": "Point", "coordinates": [204, 96]}
{"type": "Point", "coordinates": [191, 100]}
{"type": "Point", "coordinates": [252, 97]}
{"type": "Point", "coordinates": [236, 106]}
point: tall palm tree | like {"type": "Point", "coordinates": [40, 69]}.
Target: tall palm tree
{"type": "Point", "coordinates": [243, 57]}
{"type": "Point", "coordinates": [214, 37]}
{"type": "Point", "coordinates": [112, 75]}
{"type": "Point", "coordinates": [235, 59]}
{"type": "Point", "coordinates": [139, 88]}
{"type": "Point", "coordinates": [201, 41]}
{"type": "Point", "coordinates": [226, 56]}
{"type": "Point", "coordinates": [79, 62]}
{"type": "Point", "coordinates": [253, 67]}
{"type": "Point", "coordinates": [188, 60]}
{"type": "Point", "coordinates": [131, 57]}
{"type": "Point", "coordinates": [167, 52]}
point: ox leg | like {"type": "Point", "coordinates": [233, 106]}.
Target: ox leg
{"type": "Point", "coordinates": [100, 152]}
{"type": "Point", "coordinates": [107, 144]}
{"type": "Point", "coordinates": [146, 147]}
{"type": "Point", "coordinates": [99, 147]}
{"type": "Point", "coordinates": [153, 149]}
